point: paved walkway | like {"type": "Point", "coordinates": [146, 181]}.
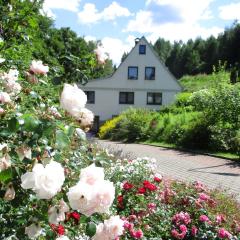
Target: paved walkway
{"type": "Point", "coordinates": [212, 171]}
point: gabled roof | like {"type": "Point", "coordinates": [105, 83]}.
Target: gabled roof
{"type": "Point", "coordinates": [154, 53]}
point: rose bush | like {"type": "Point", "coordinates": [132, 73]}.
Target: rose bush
{"type": "Point", "coordinates": [54, 184]}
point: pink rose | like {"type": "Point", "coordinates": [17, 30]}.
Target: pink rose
{"type": "Point", "coordinates": [194, 230]}
{"type": "Point", "coordinates": [37, 67]}
{"type": "Point", "coordinates": [222, 233]}
{"type": "Point", "coordinates": [204, 218]}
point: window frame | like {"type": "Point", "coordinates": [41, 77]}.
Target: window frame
{"type": "Point", "coordinates": [154, 98]}
{"type": "Point", "coordinates": [88, 93]}
{"type": "Point", "coordinates": [154, 73]}
{"type": "Point", "coordinates": [140, 48]}
{"type": "Point", "coordinates": [126, 98]}
{"type": "Point", "coordinates": [129, 70]}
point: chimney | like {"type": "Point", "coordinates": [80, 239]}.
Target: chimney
{"type": "Point", "coordinates": [137, 41]}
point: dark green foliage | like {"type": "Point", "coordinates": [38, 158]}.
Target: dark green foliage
{"type": "Point", "coordinates": [199, 56]}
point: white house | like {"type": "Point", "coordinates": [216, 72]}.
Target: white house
{"type": "Point", "coordinates": [141, 81]}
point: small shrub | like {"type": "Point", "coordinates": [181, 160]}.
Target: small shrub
{"type": "Point", "coordinates": [183, 99]}
{"type": "Point", "coordinates": [108, 127]}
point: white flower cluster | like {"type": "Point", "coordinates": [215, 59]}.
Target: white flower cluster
{"type": "Point", "coordinates": [92, 194]}
{"type": "Point", "coordinates": [44, 181]}
{"type": "Point", "coordinates": [73, 100]}
{"type": "Point", "coordinates": [9, 82]}
{"type": "Point", "coordinates": [110, 229]}
{"type": "Point", "coordinates": [37, 67]}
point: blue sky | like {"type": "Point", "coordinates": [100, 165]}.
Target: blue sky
{"type": "Point", "coordinates": [117, 23]}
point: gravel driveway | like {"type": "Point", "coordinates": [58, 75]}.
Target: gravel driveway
{"type": "Point", "coordinates": [212, 171]}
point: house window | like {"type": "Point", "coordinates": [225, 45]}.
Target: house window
{"type": "Point", "coordinates": [126, 98]}
{"type": "Point", "coordinates": [154, 98]}
{"type": "Point", "coordinates": [142, 49]}
{"type": "Point", "coordinates": [133, 73]}
{"type": "Point", "coordinates": [90, 96]}
{"type": "Point", "coordinates": [149, 73]}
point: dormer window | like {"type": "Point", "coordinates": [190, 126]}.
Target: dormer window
{"type": "Point", "coordinates": [133, 73]}
{"type": "Point", "coordinates": [142, 49]}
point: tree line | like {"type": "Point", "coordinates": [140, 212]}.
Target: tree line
{"type": "Point", "coordinates": [199, 56]}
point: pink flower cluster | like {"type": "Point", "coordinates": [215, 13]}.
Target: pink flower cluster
{"type": "Point", "coordinates": [181, 218]}
{"type": "Point", "coordinates": [136, 234]}
{"type": "Point", "coordinates": [224, 234]}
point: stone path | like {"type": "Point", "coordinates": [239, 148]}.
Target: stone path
{"type": "Point", "coordinates": [212, 171]}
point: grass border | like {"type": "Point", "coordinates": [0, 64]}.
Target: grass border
{"type": "Point", "coordinates": [224, 155]}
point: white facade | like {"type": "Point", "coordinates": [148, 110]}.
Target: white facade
{"type": "Point", "coordinates": [107, 90]}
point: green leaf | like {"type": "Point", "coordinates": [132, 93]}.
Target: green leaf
{"type": "Point", "coordinates": [13, 125]}
{"type": "Point", "coordinates": [30, 122]}
{"type": "Point", "coordinates": [6, 175]}
{"type": "Point", "coordinates": [91, 229]}
{"type": "Point", "coordinates": [84, 219]}
{"type": "Point", "coordinates": [62, 140]}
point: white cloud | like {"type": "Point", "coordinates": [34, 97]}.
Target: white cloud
{"type": "Point", "coordinates": [230, 11]}
{"type": "Point", "coordinates": [89, 38]}
{"type": "Point", "coordinates": [115, 47]}
{"type": "Point", "coordinates": [90, 13]}
{"type": "Point", "coordinates": [69, 5]}
{"type": "Point", "coordinates": [189, 10]}
{"type": "Point", "coordinates": [190, 13]}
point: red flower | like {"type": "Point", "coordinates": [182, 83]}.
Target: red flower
{"type": "Point", "coordinates": [141, 190]}
{"type": "Point", "coordinates": [60, 230]}
{"type": "Point", "coordinates": [120, 201]}
{"type": "Point", "coordinates": [75, 216]}
{"type": "Point", "coordinates": [157, 179]}
{"type": "Point", "coordinates": [149, 186]}
{"type": "Point", "coordinates": [127, 186]}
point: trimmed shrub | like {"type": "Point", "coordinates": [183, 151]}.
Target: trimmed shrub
{"type": "Point", "coordinates": [108, 127]}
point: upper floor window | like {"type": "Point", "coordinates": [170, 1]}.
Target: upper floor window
{"type": "Point", "coordinates": [90, 96]}
{"type": "Point", "coordinates": [133, 73]}
{"type": "Point", "coordinates": [126, 98]}
{"type": "Point", "coordinates": [149, 73]}
{"type": "Point", "coordinates": [142, 49]}
{"type": "Point", "coordinates": [154, 98]}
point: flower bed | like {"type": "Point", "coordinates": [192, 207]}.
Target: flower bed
{"type": "Point", "coordinates": [56, 185]}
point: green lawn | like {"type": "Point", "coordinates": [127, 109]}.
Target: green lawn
{"type": "Point", "coordinates": [201, 81]}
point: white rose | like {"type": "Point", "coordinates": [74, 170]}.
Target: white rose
{"type": "Point", "coordinates": [80, 198]}
{"type": "Point", "coordinates": [10, 193]}
{"type": "Point", "coordinates": [92, 174]}
{"type": "Point", "coordinates": [73, 99]}
{"type": "Point", "coordinates": [86, 118]}
{"type": "Point", "coordinates": [103, 196]}
{"type": "Point", "coordinates": [81, 134]}
{"type": "Point", "coordinates": [33, 231]}
{"type": "Point", "coordinates": [89, 199]}
{"type": "Point", "coordinates": [56, 214]}
{"type": "Point", "coordinates": [111, 229]}
{"type": "Point", "coordinates": [62, 238]}
{"type": "Point", "coordinates": [44, 181]}
{"type": "Point", "coordinates": [12, 87]}
{"type": "Point", "coordinates": [38, 68]}
{"type": "Point", "coordinates": [5, 162]}
{"type": "Point", "coordinates": [4, 97]}
{"type": "Point", "coordinates": [2, 60]}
